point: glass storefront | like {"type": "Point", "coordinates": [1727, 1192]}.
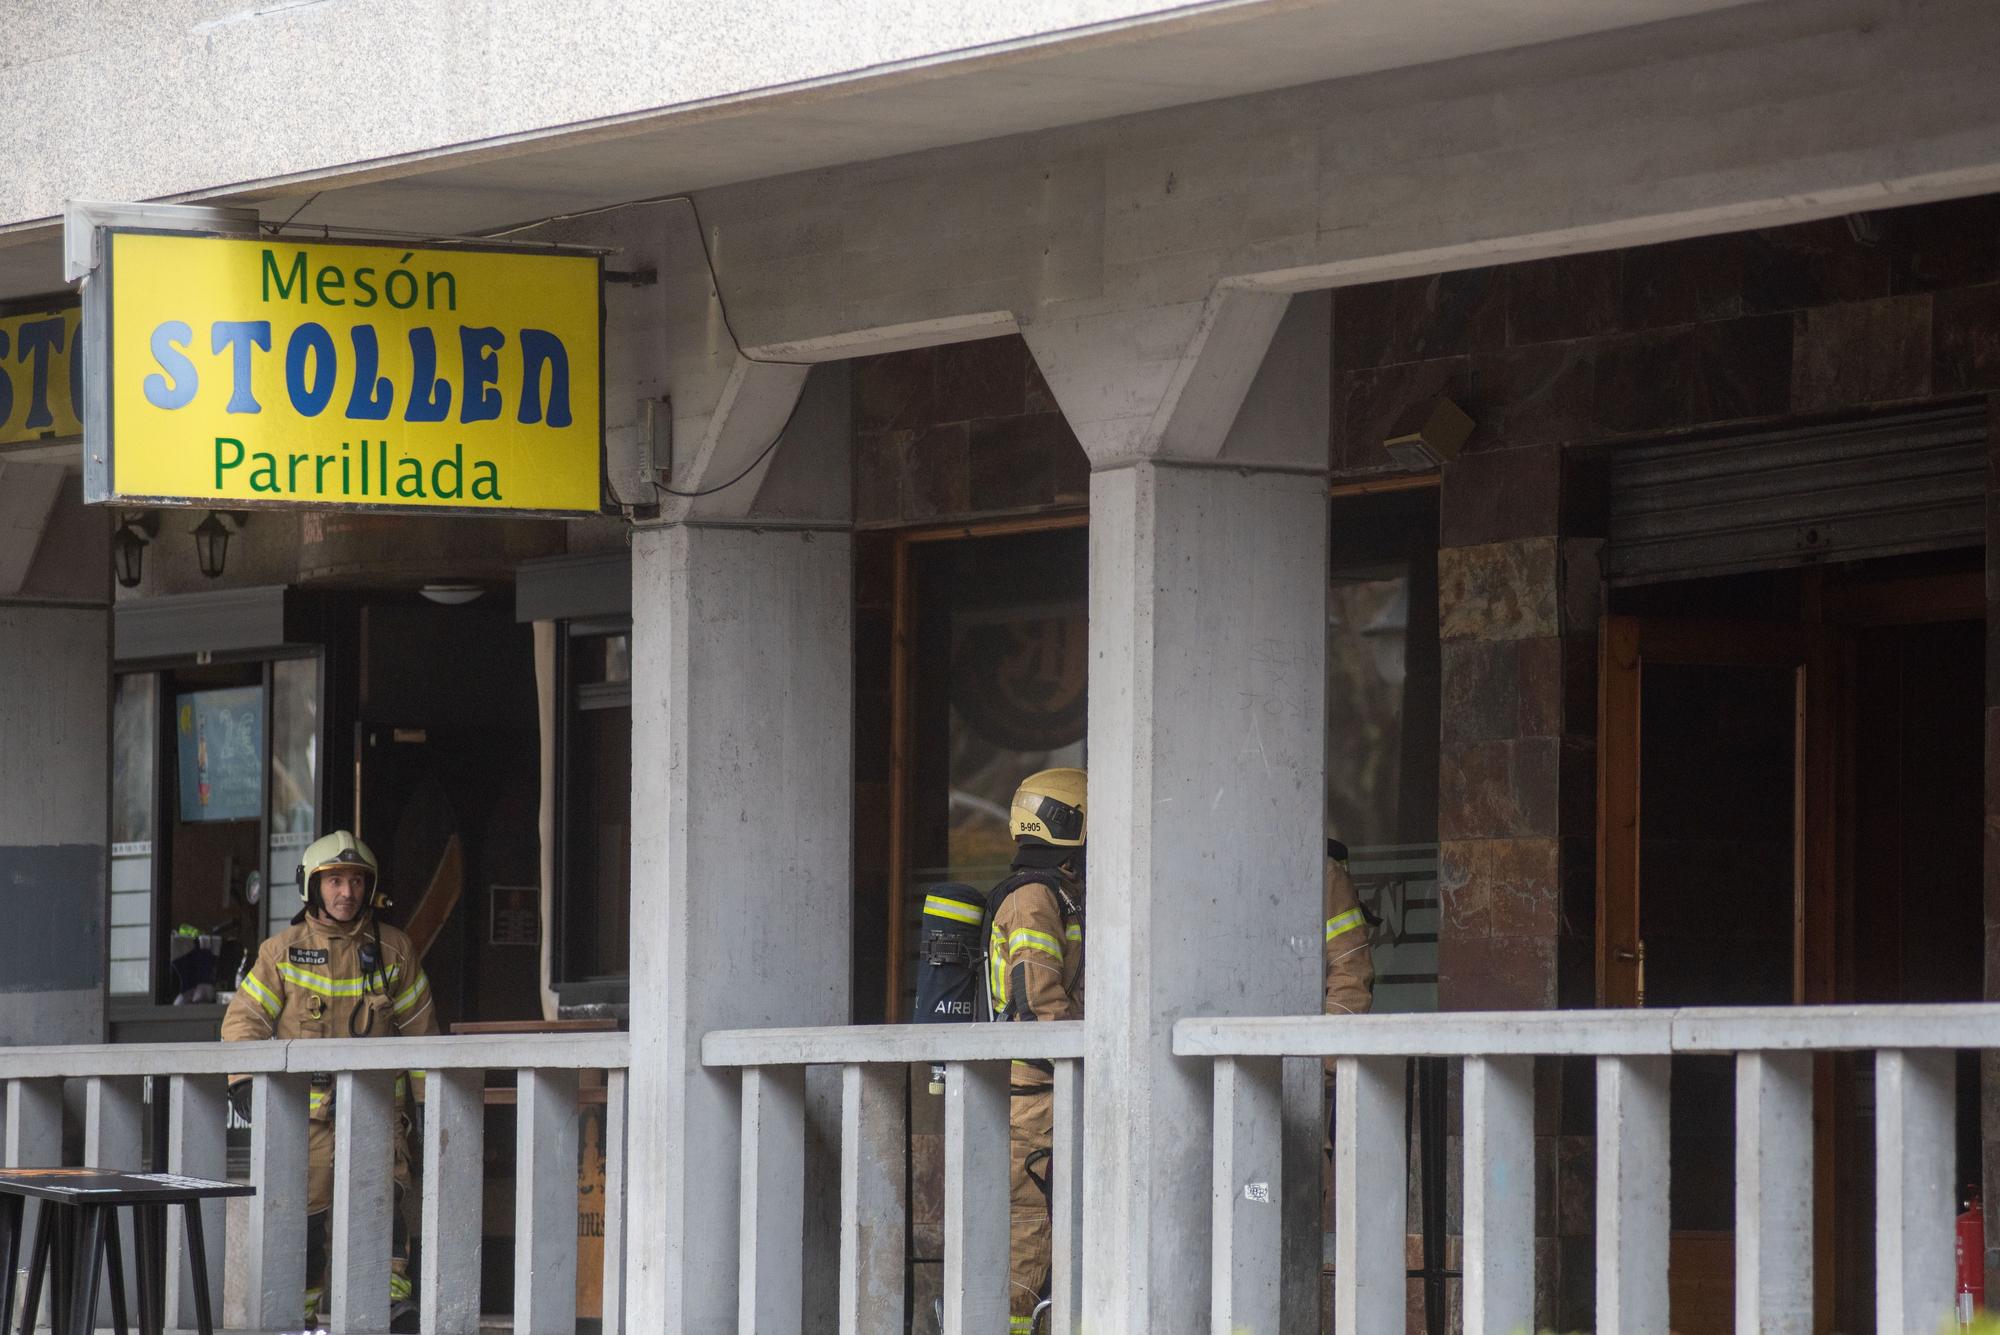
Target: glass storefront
{"type": "Point", "coordinates": [1382, 686]}
{"type": "Point", "coordinates": [215, 791]}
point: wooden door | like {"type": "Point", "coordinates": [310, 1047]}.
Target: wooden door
{"type": "Point", "coordinates": [1785, 675]}
{"type": "Point", "coordinates": [1626, 646]}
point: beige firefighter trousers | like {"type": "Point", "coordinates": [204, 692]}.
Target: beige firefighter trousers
{"type": "Point", "coordinates": [1031, 1127]}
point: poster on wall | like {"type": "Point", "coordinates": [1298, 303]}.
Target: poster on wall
{"type": "Point", "coordinates": [221, 753]}
{"type": "Point", "coordinates": [516, 915]}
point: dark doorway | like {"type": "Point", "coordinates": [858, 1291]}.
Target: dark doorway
{"type": "Point", "coordinates": [1791, 810]}
{"type": "Point", "coordinates": [449, 777]}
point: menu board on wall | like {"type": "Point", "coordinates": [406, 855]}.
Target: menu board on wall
{"type": "Point", "coordinates": [221, 746]}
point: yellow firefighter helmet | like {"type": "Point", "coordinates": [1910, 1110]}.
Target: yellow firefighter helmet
{"type": "Point", "coordinates": [339, 850]}
{"type": "Point", "coordinates": [1049, 808]}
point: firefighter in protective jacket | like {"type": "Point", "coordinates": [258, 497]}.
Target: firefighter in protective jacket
{"type": "Point", "coordinates": [1035, 972]}
{"type": "Point", "coordinates": [1350, 967]}
{"type": "Point", "coordinates": [337, 972]}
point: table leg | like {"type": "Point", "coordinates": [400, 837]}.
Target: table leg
{"type": "Point", "coordinates": [88, 1258]}
{"type": "Point", "coordinates": [198, 1257]}
{"type": "Point", "coordinates": [40, 1258]}
{"type": "Point", "coordinates": [162, 1221]}
{"type": "Point", "coordinates": [149, 1275]}
{"type": "Point", "coordinates": [10, 1253]}
{"type": "Point", "coordinates": [62, 1274]}
{"type": "Point", "coordinates": [114, 1256]}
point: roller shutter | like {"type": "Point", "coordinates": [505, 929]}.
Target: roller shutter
{"type": "Point", "coordinates": [1881, 487]}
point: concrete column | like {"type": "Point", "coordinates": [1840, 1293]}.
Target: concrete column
{"type": "Point", "coordinates": [1208, 514]}
{"type": "Point", "coordinates": [55, 709]}
{"type": "Point", "coordinates": [1207, 694]}
{"type": "Point", "coordinates": [742, 739]}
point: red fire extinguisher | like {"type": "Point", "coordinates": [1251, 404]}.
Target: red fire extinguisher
{"type": "Point", "coordinates": [1971, 1248]}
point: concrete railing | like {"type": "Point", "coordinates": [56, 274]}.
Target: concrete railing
{"type": "Point", "coordinates": [1774, 1048]}
{"type": "Point", "coordinates": [873, 1064]}
{"type": "Point", "coordinates": [364, 1074]}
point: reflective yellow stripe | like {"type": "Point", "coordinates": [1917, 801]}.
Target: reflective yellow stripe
{"type": "Point", "coordinates": [264, 996]}
{"type": "Point", "coordinates": [399, 1286]}
{"type": "Point", "coordinates": [996, 971]}
{"type": "Point", "coordinates": [414, 994]}
{"type": "Point", "coordinates": [1020, 1325]}
{"type": "Point", "coordinates": [1027, 938]}
{"type": "Point", "coordinates": [318, 1098]}
{"type": "Point", "coordinates": [1345, 922]}
{"type": "Point", "coordinates": [951, 908]}
{"type": "Point", "coordinates": [1073, 932]}
{"type": "Point", "coordinates": [334, 987]}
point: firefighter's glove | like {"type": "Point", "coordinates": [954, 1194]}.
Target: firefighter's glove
{"type": "Point", "coordinates": [239, 1099]}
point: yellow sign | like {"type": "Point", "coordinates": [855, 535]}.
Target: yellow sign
{"type": "Point", "coordinates": [266, 372]}
{"type": "Point", "coordinates": [40, 370]}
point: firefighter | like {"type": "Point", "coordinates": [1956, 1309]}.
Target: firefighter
{"type": "Point", "coordinates": [337, 972]}
{"type": "Point", "coordinates": [1035, 972]}
{"type": "Point", "coordinates": [1350, 967]}
{"type": "Point", "coordinates": [1350, 964]}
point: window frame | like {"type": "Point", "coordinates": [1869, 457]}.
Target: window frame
{"type": "Point", "coordinates": [573, 698]}
{"type": "Point", "coordinates": [165, 756]}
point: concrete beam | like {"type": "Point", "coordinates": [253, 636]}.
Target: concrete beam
{"type": "Point", "coordinates": [1806, 109]}
{"type": "Point", "coordinates": [1241, 378]}
{"type": "Point", "coordinates": [1157, 381]}
{"type": "Point", "coordinates": [684, 410]}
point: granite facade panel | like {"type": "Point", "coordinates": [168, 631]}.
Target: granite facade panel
{"type": "Point", "coordinates": [1500, 790]}
{"type": "Point", "coordinates": [1645, 382]}
{"type": "Point", "coordinates": [1543, 394]}
{"type": "Point", "coordinates": [1499, 887]}
{"type": "Point", "coordinates": [1540, 686]}
{"type": "Point", "coordinates": [1420, 319]}
{"type": "Point", "coordinates": [960, 431]}
{"type": "Point", "coordinates": [1813, 264]}
{"type": "Point", "coordinates": [1680, 282]}
{"type": "Point", "coordinates": [1498, 591]}
{"type": "Point", "coordinates": [1965, 339]}
{"type": "Point", "coordinates": [1025, 462]}
{"type": "Point", "coordinates": [985, 378]}
{"type": "Point", "coordinates": [1569, 296]}
{"type": "Point", "coordinates": [1945, 245]}
{"type": "Point", "coordinates": [895, 391]}
{"type": "Point", "coordinates": [1861, 353]}
{"type": "Point", "coordinates": [1743, 368]}
{"type": "Point", "coordinates": [1497, 973]}
{"type": "Point", "coordinates": [1500, 496]}
{"type": "Point", "coordinates": [1481, 690]}
{"type": "Point", "coordinates": [878, 476]}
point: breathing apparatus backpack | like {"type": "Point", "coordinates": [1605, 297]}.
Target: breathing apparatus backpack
{"type": "Point", "coordinates": [951, 958]}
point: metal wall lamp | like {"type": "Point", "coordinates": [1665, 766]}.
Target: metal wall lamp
{"type": "Point", "coordinates": [211, 540]}
{"type": "Point", "coordinates": [128, 545]}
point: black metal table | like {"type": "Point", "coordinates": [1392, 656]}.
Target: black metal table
{"type": "Point", "coordinates": [76, 1233]}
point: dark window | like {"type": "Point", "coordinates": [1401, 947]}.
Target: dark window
{"type": "Point", "coordinates": [1382, 704]}
{"type": "Point", "coordinates": [135, 748]}
{"type": "Point", "coordinates": [594, 885]}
